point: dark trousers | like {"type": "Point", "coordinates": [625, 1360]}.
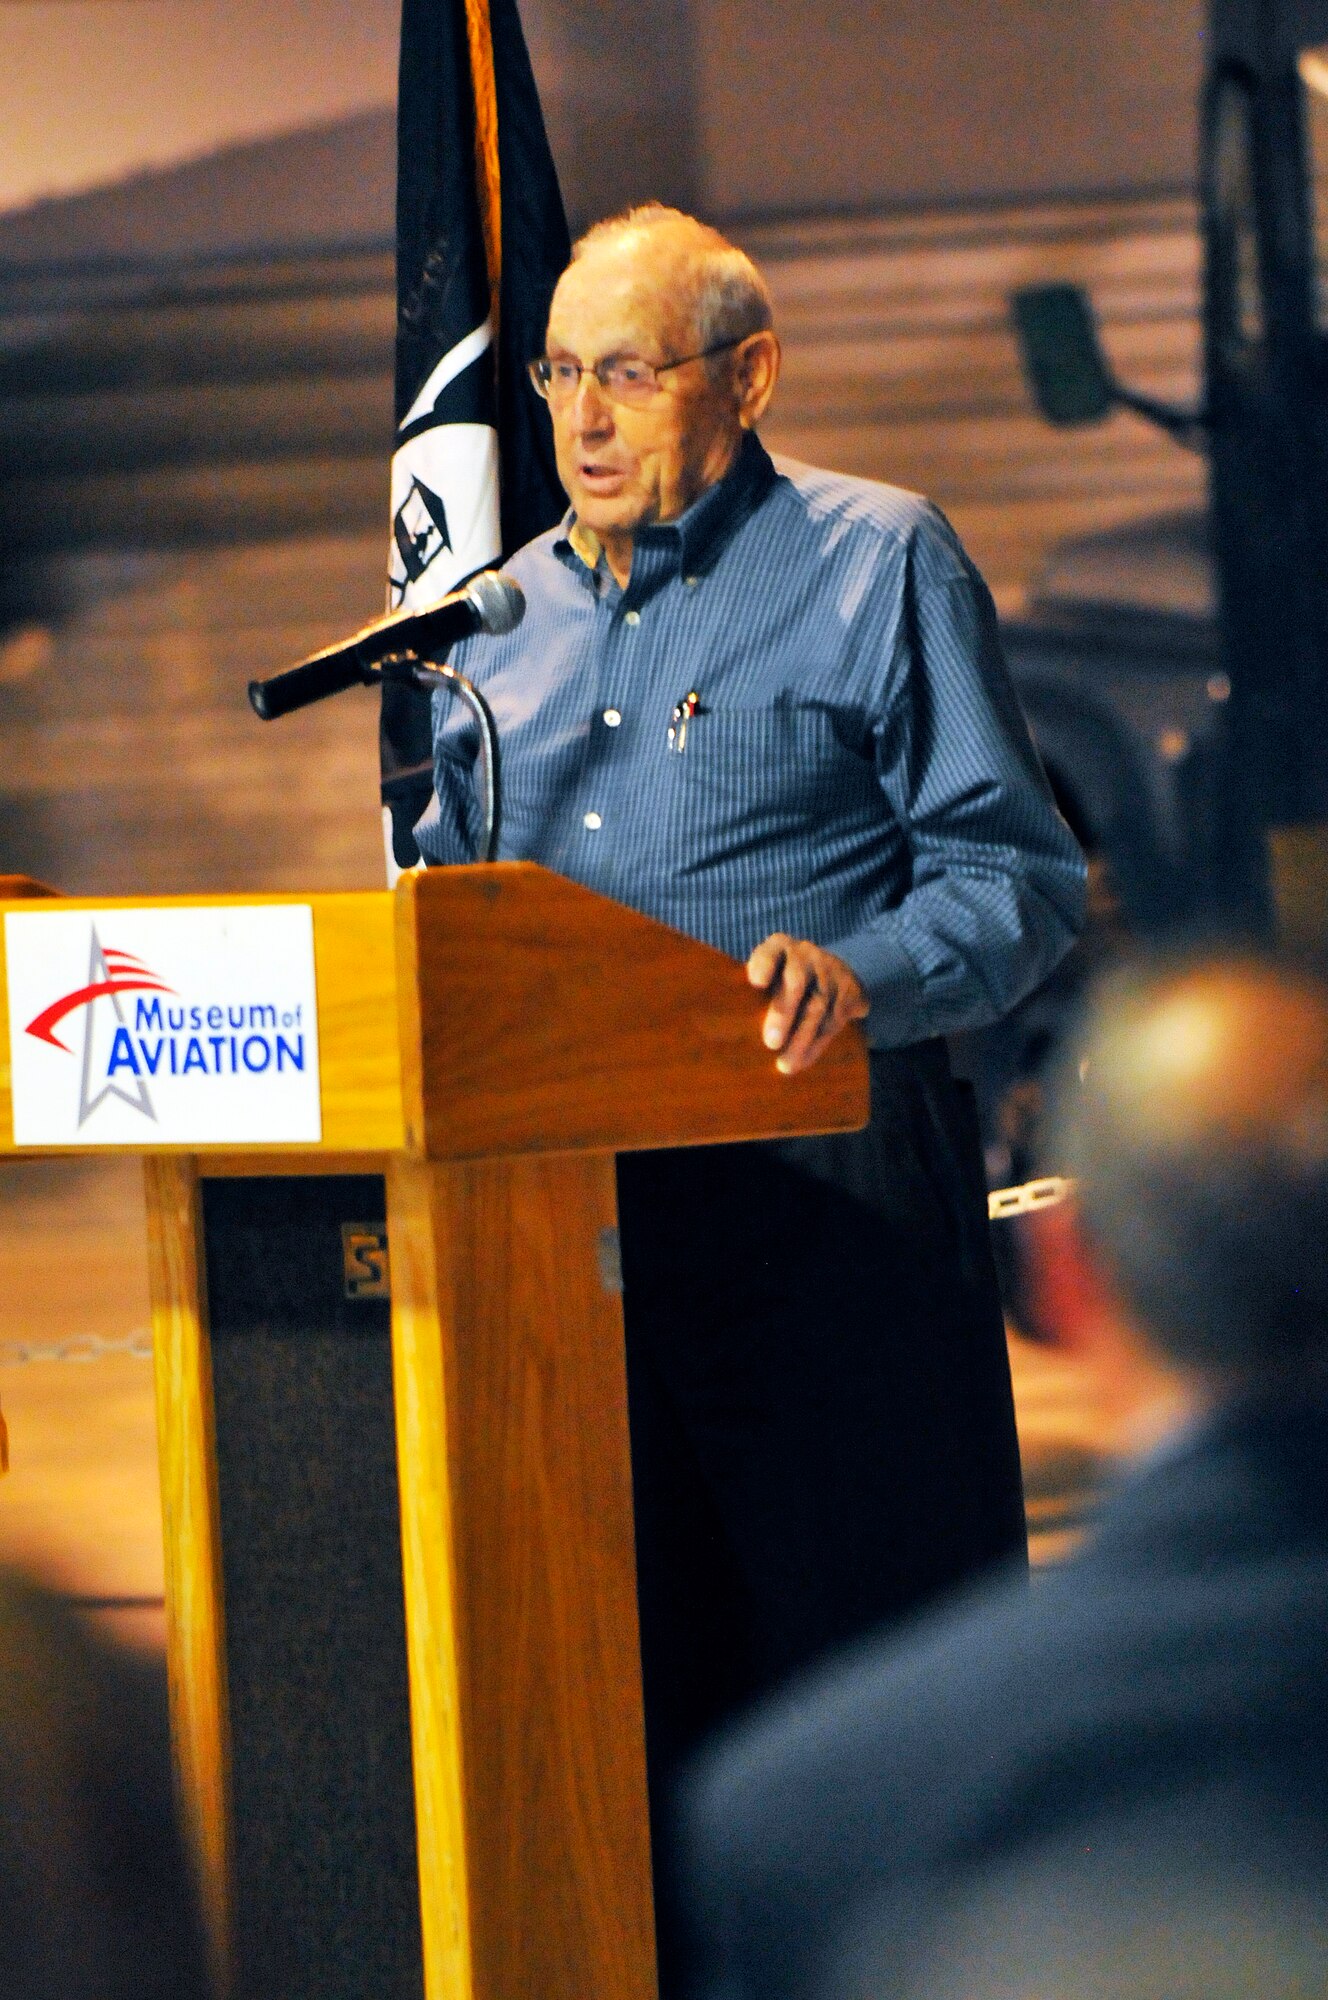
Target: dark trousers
{"type": "Point", "coordinates": [822, 1426]}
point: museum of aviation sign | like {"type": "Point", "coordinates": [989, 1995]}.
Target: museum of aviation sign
{"type": "Point", "coordinates": [163, 1027]}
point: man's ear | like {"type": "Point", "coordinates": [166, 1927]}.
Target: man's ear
{"type": "Point", "coordinates": [757, 371]}
{"type": "Point", "coordinates": [1071, 1300]}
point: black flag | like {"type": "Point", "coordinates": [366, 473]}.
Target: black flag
{"type": "Point", "coordinates": [481, 241]}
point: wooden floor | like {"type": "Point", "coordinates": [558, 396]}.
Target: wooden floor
{"type": "Point", "coordinates": [133, 763]}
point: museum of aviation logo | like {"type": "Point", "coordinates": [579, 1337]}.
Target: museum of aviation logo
{"type": "Point", "coordinates": [135, 1027]}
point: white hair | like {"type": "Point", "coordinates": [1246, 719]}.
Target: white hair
{"type": "Point", "coordinates": [731, 300]}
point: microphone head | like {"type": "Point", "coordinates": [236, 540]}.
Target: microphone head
{"type": "Point", "coordinates": [499, 600]}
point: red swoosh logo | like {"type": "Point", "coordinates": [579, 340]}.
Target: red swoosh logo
{"type": "Point", "coordinates": [44, 1022]}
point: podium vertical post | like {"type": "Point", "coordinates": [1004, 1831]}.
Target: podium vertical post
{"type": "Point", "coordinates": [191, 1534]}
{"type": "Point", "coordinates": [520, 1579]}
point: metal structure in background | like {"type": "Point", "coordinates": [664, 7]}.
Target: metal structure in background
{"type": "Point", "coordinates": [1263, 417]}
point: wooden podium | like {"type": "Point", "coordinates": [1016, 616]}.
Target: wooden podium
{"type": "Point", "coordinates": [398, 1533]}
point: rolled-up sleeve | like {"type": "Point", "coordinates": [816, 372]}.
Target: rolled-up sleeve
{"type": "Point", "coordinates": [996, 891]}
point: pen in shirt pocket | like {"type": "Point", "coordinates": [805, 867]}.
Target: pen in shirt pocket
{"type": "Point", "coordinates": [683, 711]}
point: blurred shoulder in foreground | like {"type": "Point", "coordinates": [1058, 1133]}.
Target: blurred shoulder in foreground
{"type": "Point", "coordinates": [1216, 1895]}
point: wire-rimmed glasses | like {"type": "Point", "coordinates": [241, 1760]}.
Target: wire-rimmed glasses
{"type": "Point", "coordinates": [624, 378]}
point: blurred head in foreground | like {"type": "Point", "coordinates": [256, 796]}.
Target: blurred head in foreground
{"type": "Point", "coordinates": [1164, 1831]}
{"type": "Point", "coordinates": [96, 1897]}
{"type": "Point", "coordinates": [1191, 1267]}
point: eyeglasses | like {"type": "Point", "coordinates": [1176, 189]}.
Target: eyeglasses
{"type": "Point", "coordinates": [623, 377]}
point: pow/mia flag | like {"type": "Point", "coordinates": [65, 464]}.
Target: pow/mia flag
{"type": "Point", "coordinates": [481, 240]}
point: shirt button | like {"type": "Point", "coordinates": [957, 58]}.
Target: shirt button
{"type": "Point", "coordinates": [631, 617]}
{"type": "Point", "coordinates": [593, 821]}
{"type": "Point", "coordinates": [691, 582]}
{"type": "Point", "coordinates": [612, 718]}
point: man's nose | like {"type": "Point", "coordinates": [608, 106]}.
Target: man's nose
{"type": "Point", "coordinates": [592, 412]}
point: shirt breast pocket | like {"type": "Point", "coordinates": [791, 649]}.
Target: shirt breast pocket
{"type": "Point", "coordinates": [746, 775]}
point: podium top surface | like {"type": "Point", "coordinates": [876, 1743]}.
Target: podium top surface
{"type": "Point", "coordinates": [470, 1013]}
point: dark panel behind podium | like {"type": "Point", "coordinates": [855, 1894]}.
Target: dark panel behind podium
{"type": "Point", "coordinates": [326, 1895]}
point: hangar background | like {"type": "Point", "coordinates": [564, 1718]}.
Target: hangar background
{"type": "Point", "coordinates": [195, 363]}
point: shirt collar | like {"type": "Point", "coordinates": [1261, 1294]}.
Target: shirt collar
{"type": "Point", "coordinates": [694, 542]}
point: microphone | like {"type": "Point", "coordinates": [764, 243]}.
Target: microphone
{"type": "Point", "coordinates": [488, 603]}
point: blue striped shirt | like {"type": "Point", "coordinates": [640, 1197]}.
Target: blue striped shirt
{"type": "Point", "coordinates": [857, 772]}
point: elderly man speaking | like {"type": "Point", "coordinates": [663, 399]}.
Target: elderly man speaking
{"type": "Point", "coordinates": [767, 705]}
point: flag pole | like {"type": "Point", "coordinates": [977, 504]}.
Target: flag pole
{"type": "Point", "coordinates": [479, 37]}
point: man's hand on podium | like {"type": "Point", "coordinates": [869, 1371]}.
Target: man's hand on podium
{"type": "Point", "coordinates": [812, 993]}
